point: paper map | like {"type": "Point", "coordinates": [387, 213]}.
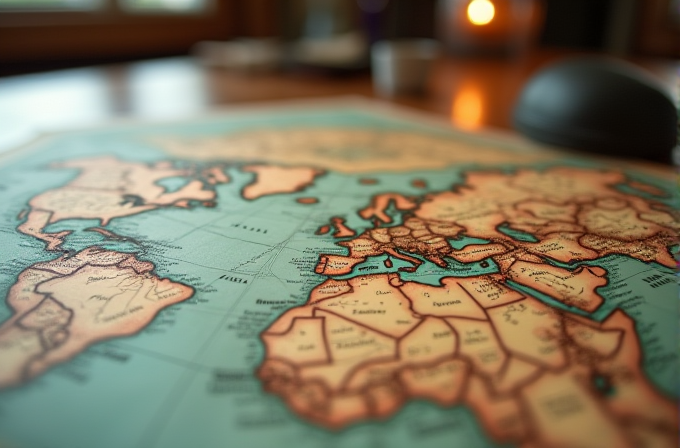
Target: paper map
{"type": "Point", "coordinates": [333, 276]}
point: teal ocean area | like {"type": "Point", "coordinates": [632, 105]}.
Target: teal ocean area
{"type": "Point", "coordinates": [172, 184]}
{"type": "Point", "coordinates": [518, 235]}
{"type": "Point", "coordinates": [427, 272]}
{"type": "Point", "coordinates": [463, 241]}
{"type": "Point", "coordinates": [188, 378]}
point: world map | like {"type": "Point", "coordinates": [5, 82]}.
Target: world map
{"type": "Point", "coordinates": [333, 276]}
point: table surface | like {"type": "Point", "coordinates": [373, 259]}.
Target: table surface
{"type": "Point", "coordinates": [473, 93]}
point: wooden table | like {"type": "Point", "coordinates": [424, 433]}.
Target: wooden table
{"type": "Point", "coordinates": [474, 93]}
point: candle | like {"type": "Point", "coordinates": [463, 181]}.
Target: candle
{"type": "Point", "coordinates": [488, 26]}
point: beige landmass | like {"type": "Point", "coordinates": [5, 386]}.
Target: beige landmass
{"type": "Point", "coordinates": [108, 188]}
{"type": "Point", "coordinates": [563, 208]}
{"type": "Point", "coordinates": [535, 376]}
{"type": "Point", "coordinates": [360, 348]}
{"type": "Point", "coordinates": [388, 311]}
{"type": "Point", "coordinates": [345, 149]}
{"type": "Point", "coordinates": [380, 203]}
{"type": "Point", "coordinates": [570, 215]}
{"type": "Point", "coordinates": [65, 305]}
{"type": "Point", "coordinates": [575, 288]}
{"type": "Point", "coordinates": [272, 179]}
{"type": "Point", "coordinates": [449, 300]}
{"type": "Point", "coordinates": [336, 264]}
{"type": "Point", "coordinates": [307, 201]}
{"type": "Point", "coordinates": [341, 230]}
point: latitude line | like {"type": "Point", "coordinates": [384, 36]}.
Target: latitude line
{"type": "Point", "coordinates": [236, 239]}
{"type": "Point", "coordinates": [167, 358]}
{"type": "Point", "coordinates": [219, 217]}
{"type": "Point", "coordinates": [633, 275]}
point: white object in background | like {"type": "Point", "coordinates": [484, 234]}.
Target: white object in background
{"type": "Point", "coordinates": [402, 66]}
{"type": "Point", "coordinates": [241, 54]}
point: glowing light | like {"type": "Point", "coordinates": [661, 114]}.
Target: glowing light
{"type": "Point", "coordinates": [480, 12]}
{"type": "Point", "coordinates": [468, 107]}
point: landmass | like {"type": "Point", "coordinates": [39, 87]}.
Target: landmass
{"type": "Point", "coordinates": [534, 375]}
{"type": "Point", "coordinates": [649, 189]}
{"type": "Point", "coordinates": [111, 235]}
{"type": "Point", "coordinates": [341, 230]}
{"type": "Point", "coordinates": [322, 230]}
{"type": "Point", "coordinates": [360, 348]}
{"type": "Point", "coordinates": [272, 179]}
{"type": "Point", "coordinates": [307, 201]}
{"type": "Point", "coordinates": [61, 307]}
{"type": "Point", "coordinates": [419, 183]}
{"type": "Point", "coordinates": [346, 150]}
{"type": "Point", "coordinates": [368, 181]}
{"type": "Point", "coordinates": [571, 215]}
{"type": "Point", "coordinates": [380, 203]}
{"type": "Point", "coordinates": [107, 188]}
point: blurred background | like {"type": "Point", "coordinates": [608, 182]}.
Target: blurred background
{"type": "Point", "coordinates": [74, 63]}
{"type": "Point", "coordinates": [40, 35]}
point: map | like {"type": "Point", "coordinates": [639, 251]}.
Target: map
{"type": "Point", "coordinates": [333, 275]}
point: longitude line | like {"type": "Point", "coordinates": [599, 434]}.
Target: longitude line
{"type": "Point", "coordinates": [153, 430]}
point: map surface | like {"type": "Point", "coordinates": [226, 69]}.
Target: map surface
{"type": "Point", "coordinates": [336, 276]}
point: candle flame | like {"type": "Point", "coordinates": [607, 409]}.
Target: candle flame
{"type": "Point", "coordinates": [480, 12]}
